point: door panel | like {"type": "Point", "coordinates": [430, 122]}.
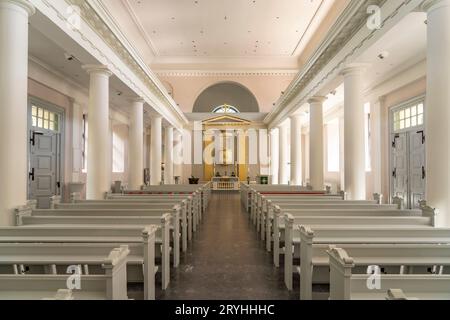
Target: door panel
{"type": "Point", "coordinates": [417, 168]}
{"type": "Point", "coordinates": [44, 166]}
{"type": "Point", "coordinates": [400, 166]}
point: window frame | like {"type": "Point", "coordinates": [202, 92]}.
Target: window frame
{"type": "Point", "coordinates": [226, 107]}
{"type": "Point", "coordinates": [407, 105]}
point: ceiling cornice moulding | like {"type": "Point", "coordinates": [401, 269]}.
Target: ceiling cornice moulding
{"type": "Point", "coordinates": [224, 73]}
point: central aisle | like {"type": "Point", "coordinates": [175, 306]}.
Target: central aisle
{"type": "Point", "coordinates": [226, 260]}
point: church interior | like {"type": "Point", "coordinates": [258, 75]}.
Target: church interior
{"type": "Point", "coordinates": [224, 150]}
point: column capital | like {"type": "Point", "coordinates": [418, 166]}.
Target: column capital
{"type": "Point", "coordinates": [296, 116]}
{"type": "Point", "coordinates": [97, 69]}
{"type": "Point", "coordinates": [354, 69]}
{"type": "Point", "coordinates": [24, 4]}
{"type": "Point", "coordinates": [430, 5]}
{"type": "Point", "coordinates": [137, 100]}
{"type": "Point", "coordinates": [155, 117]}
{"type": "Point", "coordinates": [317, 100]}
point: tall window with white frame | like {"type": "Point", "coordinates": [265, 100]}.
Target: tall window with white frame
{"type": "Point", "coordinates": [118, 155]}
{"type": "Point", "coordinates": [367, 136]}
{"type": "Point", "coordinates": [84, 144]}
{"type": "Point", "coordinates": [333, 145]}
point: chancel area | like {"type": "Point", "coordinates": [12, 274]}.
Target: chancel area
{"type": "Point", "coordinates": [224, 150]}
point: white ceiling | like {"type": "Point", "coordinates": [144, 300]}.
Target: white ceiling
{"type": "Point", "coordinates": [405, 45]}
{"type": "Point", "coordinates": [227, 28]}
{"type": "Point", "coordinates": [49, 54]}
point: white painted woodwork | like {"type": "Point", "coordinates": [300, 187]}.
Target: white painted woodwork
{"type": "Point", "coordinates": [155, 147]}
{"type": "Point", "coordinates": [316, 146]}
{"type": "Point", "coordinates": [13, 108]}
{"type": "Point", "coordinates": [437, 118]}
{"type": "Point", "coordinates": [274, 155]}
{"type": "Point", "coordinates": [98, 150]}
{"type": "Point", "coordinates": [284, 154]}
{"type": "Point", "coordinates": [296, 150]}
{"type": "Point", "coordinates": [168, 156]}
{"type": "Point", "coordinates": [136, 154]}
{"type": "Point", "coordinates": [354, 154]}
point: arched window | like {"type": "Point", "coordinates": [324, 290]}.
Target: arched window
{"type": "Point", "coordinates": [225, 109]}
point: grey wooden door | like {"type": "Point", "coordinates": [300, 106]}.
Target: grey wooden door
{"type": "Point", "coordinates": [408, 167]}
{"type": "Point", "coordinates": [417, 167]}
{"type": "Point", "coordinates": [44, 169]}
{"type": "Point", "coordinates": [400, 166]}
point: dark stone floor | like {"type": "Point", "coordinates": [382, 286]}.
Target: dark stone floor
{"type": "Point", "coordinates": [226, 261]}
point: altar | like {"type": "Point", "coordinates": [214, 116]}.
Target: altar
{"type": "Point", "coordinates": [225, 183]}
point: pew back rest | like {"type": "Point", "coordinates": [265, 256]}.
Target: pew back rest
{"type": "Point", "coordinates": [385, 253]}
{"type": "Point", "coordinates": [117, 205]}
{"type": "Point", "coordinates": [372, 234]}
{"type": "Point", "coordinates": [78, 234]}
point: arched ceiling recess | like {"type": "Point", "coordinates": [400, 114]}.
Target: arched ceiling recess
{"type": "Point", "coordinates": [226, 93]}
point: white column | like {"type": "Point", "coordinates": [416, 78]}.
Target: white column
{"type": "Point", "coordinates": [437, 119]}
{"type": "Point", "coordinates": [296, 150]}
{"type": "Point", "coordinates": [136, 153]}
{"type": "Point", "coordinates": [218, 147]}
{"type": "Point", "coordinates": [355, 165]}
{"type": "Point", "coordinates": [264, 163]}
{"type": "Point", "coordinates": [178, 154]}
{"type": "Point", "coordinates": [155, 147]}
{"type": "Point", "coordinates": [13, 106]}
{"type": "Point", "coordinates": [168, 156]}
{"type": "Point", "coordinates": [316, 142]}
{"type": "Point", "coordinates": [274, 155]}
{"type": "Point", "coordinates": [284, 155]}
{"type": "Point", "coordinates": [376, 143]}
{"type": "Point", "coordinates": [98, 152]}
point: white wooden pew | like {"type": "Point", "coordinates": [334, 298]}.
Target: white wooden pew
{"type": "Point", "coordinates": [311, 237]}
{"type": "Point", "coordinates": [291, 232]}
{"type": "Point", "coordinates": [284, 221]}
{"type": "Point", "coordinates": [274, 216]}
{"type": "Point", "coordinates": [193, 207]}
{"type": "Point", "coordinates": [258, 207]}
{"type": "Point", "coordinates": [203, 189]}
{"type": "Point", "coordinates": [55, 258]}
{"type": "Point", "coordinates": [347, 286]}
{"type": "Point", "coordinates": [202, 192]}
{"type": "Point", "coordinates": [112, 285]}
{"type": "Point", "coordinates": [162, 236]}
{"type": "Point", "coordinates": [152, 208]}
{"type": "Point", "coordinates": [389, 258]}
{"type": "Point", "coordinates": [142, 201]}
{"type": "Point", "coordinates": [141, 243]}
{"type": "Point", "coordinates": [26, 216]}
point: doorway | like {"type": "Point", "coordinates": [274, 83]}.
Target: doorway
{"type": "Point", "coordinates": [408, 167]}
{"type": "Point", "coordinates": [45, 133]}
